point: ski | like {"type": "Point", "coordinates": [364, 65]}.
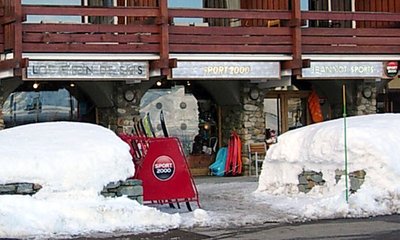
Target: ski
{"type": "Point", "coordinates": [163, 125]}
{"type": "Point", "coordinates": [150, 125]}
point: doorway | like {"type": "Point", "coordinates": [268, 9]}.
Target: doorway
{"type": "Point", "coordinates": [286, 110]}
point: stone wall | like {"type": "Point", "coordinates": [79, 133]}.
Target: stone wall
{"type": "Point", "coordinates": [310, 179]}
{"type": "Point", "coordinates": [253, 117]}
{"type": "Point", "coordinates": [132, 188]}
{"type": "Point", "coordinates": [366, 105]}
{"type": "Point", "coordinates": [127, 111]}
{"type": "Point", "coordinates": [19, 188]}
{"type": "Point", "coordinates": [247, 120]}
{"type": "Point", "coordinates": [2, 126]}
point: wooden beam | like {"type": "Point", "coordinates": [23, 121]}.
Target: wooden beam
{"type": "Point", "coordinates": [229, 13]}
{"type": "Point", "coordinates": [164, 44]}
{"type": "Point", "coordinates": [295, 64]}
{"type": "Point", "coordinates": [7, 20]}
{"type": "Point", "coordinates": [13, 64]}
{"type": "Point", "coordinates": [160, 64]}
{"type": "Point", "coordinates": [296, 36]}
{"type": "Point", "coordinates": [90, 11]}
{"type": "Point", "coordinates": [17, 49]}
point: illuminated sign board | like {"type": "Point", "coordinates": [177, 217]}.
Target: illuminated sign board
{"type": "Point", "coordinates": [85, 70]}
{"type": "Point", "coordinates": [343, 70]}
{"type": "Point", "coordinates": [226, 70]}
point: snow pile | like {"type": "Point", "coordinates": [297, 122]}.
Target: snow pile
{"type": "Point", "coordinates": [72, 162]}
{"type": "Point", "coordinates": [371, 146]}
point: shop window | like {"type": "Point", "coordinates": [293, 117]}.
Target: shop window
{"type": "Point", "coordinates": [180, 111]}
{"type": "Point", "coordinates": [23, 107]}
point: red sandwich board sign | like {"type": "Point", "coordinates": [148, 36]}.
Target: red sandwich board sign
{"type": "Point", "coordinates": [164, 171]}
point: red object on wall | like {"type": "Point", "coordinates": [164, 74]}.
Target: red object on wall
{"type": "Point", "coordinates": [315, 107]}
{"type": "Point", "coordinates": [163, 170]}
{"type": "Point", "coordinates": [234, 158]}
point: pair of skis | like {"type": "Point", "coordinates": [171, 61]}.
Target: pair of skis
{"type": "Point", "coordinates": [146, 129]}
{"type": "Point", "coordinates": [234, 164]}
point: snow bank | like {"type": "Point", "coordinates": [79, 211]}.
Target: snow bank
{"type": "Point", "coordinates": [72, 162]}
{"type": "Point", "coordinates": [62, 156]}
{"type": "Point", "coordinates": [371, 146]}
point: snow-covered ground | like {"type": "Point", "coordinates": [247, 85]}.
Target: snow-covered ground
{"type": "Point", "coordinates": [56, 154]}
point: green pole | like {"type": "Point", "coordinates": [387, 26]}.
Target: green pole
{"type": "Point", "coordinates": [345, 143]}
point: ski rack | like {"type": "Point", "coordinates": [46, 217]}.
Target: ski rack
{"type": "Point", "coordinates": [162, 166]}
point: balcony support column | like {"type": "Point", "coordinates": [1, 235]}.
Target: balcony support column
{"type": "Point", "coordinates": [163, 63]}
{"type": "Point", "coordinates": [18, 36]}
{"type": "Point", "coordinates": [296, 38]}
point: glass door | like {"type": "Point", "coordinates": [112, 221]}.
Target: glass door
{"type": "Point", "coordinates": [286, 110]}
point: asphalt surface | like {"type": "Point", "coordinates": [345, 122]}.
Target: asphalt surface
{"type": "Point", "coordinates": [382, 227]}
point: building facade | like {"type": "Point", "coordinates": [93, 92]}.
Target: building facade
{"type": "Point", "coordinates": [250, 64]}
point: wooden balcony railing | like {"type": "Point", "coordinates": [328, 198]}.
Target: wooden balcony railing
{"type": "Point", "coordinates": [156, 30]}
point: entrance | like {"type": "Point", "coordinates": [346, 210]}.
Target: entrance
{"type": "Point", "coordinates": [189, 114]}
{"type": "Point", "coordinates": [286, 110]}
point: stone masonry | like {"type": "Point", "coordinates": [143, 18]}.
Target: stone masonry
{"type": "Point", "coordinates": [310, 179]}
{"type": "Point", "coordinates": [132, 188]}
{"type": "Point", "coordinates": [22, 188]}
{"type": "Point", "coordinates": [366, 105]}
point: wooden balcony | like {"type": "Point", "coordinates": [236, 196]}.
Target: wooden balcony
{"type": "Point", "coordinates": [155, 30]}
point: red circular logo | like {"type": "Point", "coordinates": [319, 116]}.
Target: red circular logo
{"type": "Point", "coordinates": [392, 68]}
{"type": "Point", "coordinates": [163, 168]}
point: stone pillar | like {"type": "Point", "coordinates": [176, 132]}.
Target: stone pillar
{"type": "Point", "coordinates": [253, 117]}
{"type": "Point", "coordinates": [2, 126]}
{"type": "Point", "coordinates": [127, 109]}
{"type": "Point", "coordinates": [247, 120]}
{"type": "Point", "coordinates": [2, 100]}
{"type": "Point", "coordinates": [366, 98]}
{"type": "Point", "coordinates": [231, 121]}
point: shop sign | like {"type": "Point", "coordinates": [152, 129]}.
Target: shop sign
{"type": "Point", "coordinates": [226, 70]}
{"type": "Point", "coordinates": [343, 70]}
{"type": "Point", "coordinates": [392, 68]}
{"type": "Point", "coordinates": [84, 70]}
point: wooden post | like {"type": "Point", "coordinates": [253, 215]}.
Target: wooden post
{"type": "Point", "coordinates": [164, 43]}
{"type": "Point", "coordinates": [18, 36]}
{"type": "Point", "coordinates": [296, 35]}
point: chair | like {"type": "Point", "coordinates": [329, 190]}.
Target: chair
{"type": "Point", "coordinates": [274, 23]}
{"type": "Point", "coordinates": [257, 153]}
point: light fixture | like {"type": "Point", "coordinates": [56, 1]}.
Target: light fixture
{"type": "Point", "coordinates": [129, 95]}
{"type": "Point", "coordinates": [254, 94]}
{"type": "Point", "coordinates": [35, 85]}
{"type": "Point", "coordinates": [72, 84]}
{"type": "Point", "coordinates": [188, 83]}
{"type": "Point", "coordinates": [158, 83]}
{"type": "Point", "coordinates": [367, 92]}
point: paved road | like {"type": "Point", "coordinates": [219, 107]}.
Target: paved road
{"type": "Point", "coordinates": [384, 227]}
